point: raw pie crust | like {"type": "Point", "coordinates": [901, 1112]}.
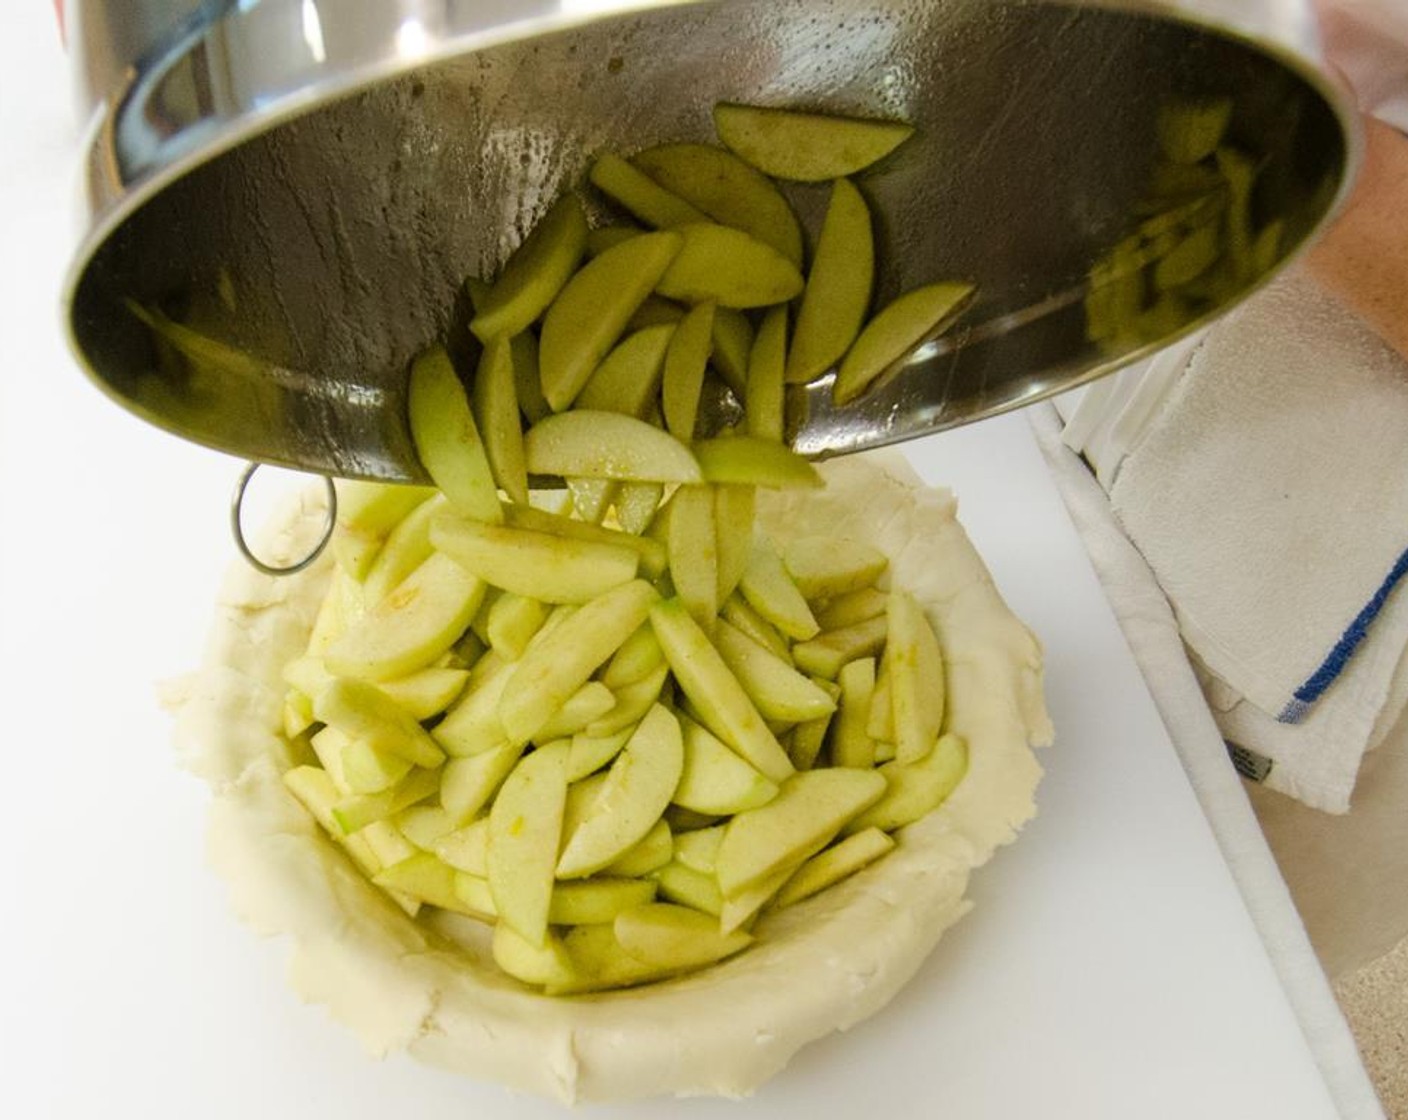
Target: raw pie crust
{"type": "Point", "coordinates": [818, 966]}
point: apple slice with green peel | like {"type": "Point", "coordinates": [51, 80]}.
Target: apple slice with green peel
{"type": "Point", "coordinates": [342, 607]}
{"type": "Point", "coordinates": [881, 724]}
{"type": "Point", "coordinates": [446, 438]}
{"type": "Point", "coordinates": [653, 557]}
{"type": "Point", "coordinates": [466, 849]}
{"type": "Point", "coordinates": [824, 655]}
{"type": "Point", "coordinates": [716, 781]}
{"type": "Point", "coordinates": [851, 607]}
{"type": "Point", "coordinates": [534, 274]}
{"type": "Point", "coordinates": [545, 964]}
{"type": "Point", "coordinates": [688, 886]}
{"type": "Point", "coordinates": [809, 810]}
{"type": "Point", "coordinates": [608, 237]}
{"type": "Point", "coordinates": [806, 740]}
{"type": "Point", "coordinates": [685, 359]}
{"type": "Point", "coordinates": [599, 963]}
{"type": "Point", "coordinates": [496, 412]}
{"type": "Point", "coordinates": [424, 825]}
{"type": "Point", "coordinates": [366, 513]}
{"type": "Point", "coordinates": [539, 565]}
{"type": "Point", "coordinates": [915, 789]}
{"type": "Point", "coordinates": [470, 783]}
{"type": "Point", "coordinates": [525, 831]}
{"type": "Point", "coordinates": [739, 614]}
{"type": "Point", "coordinates": [406, 548]}
{"type": "Point", "coordinates": [426, 693]}
{"type": "Point", "coordinates": [636, 503]}
{"type": "Point", "coordinates": [362, 711]}
{"type": "Point", "coordinates": [590, 753]}
{"type": "Point", "coordinates": [638, 787]}
{"type": "Point", "coordinates": [728, 191]}
{"type": "Point", "coordinates": [735, 508]}
{"type": "Point", "coordinates": [751, 461]}
{"type": "Point", "coordinates": [592, 310]}
{"type": "Point", "coordinates": [733, 341]}
{"type": "Point", "coordinates": [738, 909]}
{"type": "Point", "coordinates": [590, 444]}
{"type": "Point", "coordinates": [651, 853]}
{"type": "Point", "coordinates": [825, 567]}
{"type": "Point", "coordinates": [476, 897]}
{"type": "Point", "coordinates": [328, 743]}
{"type": "Point", "coordinates": [642, 195]}
{"type": "Point", "coordinates": [632, 701]}
{"type": "Point", "coordinates": [353, 814]}
{"type": "Point", "coordinates": [851, 745]}
{"type": "Point", "coordinates": [777, 690]}
{"type": "Point", "coordinates": [513, 620]}
{"type": "Point", "coordinates": [592, 497]}
{"type": "Point", "coordinates": [767, 587]}
{"type": "Point", "coordinates": [699, 849]}
{"type": "Point", "coordinates": [838, 287]}
{"type": "Point", "coordinates": [806, 147]}
{"type": "Point", "coordinates": [916, 666]}
{"type": "Point", "coordinates": [654, 312]}
{"type": "Point", "coordinates": [593, 901]}
{"type": "Point", "coordinates": [829, 867]}
{"type": "Point", "coordinates": [715, 692]}
{"type": "Point", "coordinates": [694, 555]}
{"type": "Point", "coordinates": [767, 363]}
{"type": "Point", "coordinates": [639, 656]}
{"type": "Point", "coordinates": [553, 669]}
{"type": "Point", "coordinates": [588, 704]}
{"type": "Point", "coordinates": [423, 877]}
{"type": "Point", "coordinates": [527, 378]}
{"type": "Point", "coordinates": [893, 334]}
{"type": "Point", "coordinates": [729, 267]}
{"type": "Point", "coordinates": [369, 770]}
{"type": "Point", "coordinates": [676, 938]}
{"type": "Point", "coordinates": [1190, 129]}
{"type": "Point", "coordinates": [472, 725]}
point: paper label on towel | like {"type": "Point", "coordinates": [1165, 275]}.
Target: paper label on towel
{"type": "Point", "coordinates": [1249, 764]}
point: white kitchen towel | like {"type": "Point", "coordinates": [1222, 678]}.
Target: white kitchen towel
{"type": "Point", "coordinates": [1269, 494]}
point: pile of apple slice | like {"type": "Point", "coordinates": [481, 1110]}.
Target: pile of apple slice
{"type": "Point", "coordinates": [619, 729]}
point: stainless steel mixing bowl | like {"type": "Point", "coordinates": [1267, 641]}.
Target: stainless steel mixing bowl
{"type": "Point", "coordinates": [307, 183]}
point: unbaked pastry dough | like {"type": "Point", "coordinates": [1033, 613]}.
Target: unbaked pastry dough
{"type": "Point", "coordinates": [816, 967]}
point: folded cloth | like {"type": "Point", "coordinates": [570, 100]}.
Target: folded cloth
{"type": "Point", "coordinates": [1267, 493]}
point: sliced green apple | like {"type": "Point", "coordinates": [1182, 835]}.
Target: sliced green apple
{"type": "Point", "coordinates": [806, 147]}
{"type": "Point", "coordinates": [851, 744]}
{"type": "Point", "coordinates": [729, 267]}
{"type": "Point", "coordinates": [694, 556]}
{"type": "Point", "coordinates": [638, 787]}
{"type": "Point", "coordinates": [592, 310]}
{"type": "Point", "coordinates": [838, 287]}
{"type": "Point", "coordinates": [894, 333]}
{"type": "Point", "coordinates": [834, 864]}
{"type": "Point", "coordinates": [589, 444]}
{"type": "Point", "coordinates": [716, 781]}
{"type": "Point", "coordinates": [362, 711]}
{"type": "Point", "coordinates": [751, 461]}
{"type": "Point", "coordinates": [447, 440]}
{"type": "Point", "coordinates": [412, 626]}
{"type": "Point", "coordinates": [767, 363]}
{"type": "Point", "coordinates": [825, 567]}
{"type": "Point", "coordinates": [496, 413]}
{"type": "Point", "coordinates": [685, 360]}
{"type": "Point", "coordinates": [555, 667]}
{"type": "Point", "coordinates": [915, 789]}
{"type": "Point", "coordinates": [777, 690]}
{"type": "Point", "coordinates": [824, 655]}
{"type": "Point", "coordinates": [917, 692]}
{"type": "Point", "coordinates": [810, 809]}
{"type": "Point", "coordinates": [525, 828]}
{"type": "Point", "coordinates": [592, 901]}
{"type": "Point", "coordinates": [768, 588]}
{"type": "Point", "coordinates": [721, 701]}
{"type": "Point", "coordinates": [525, 562]}
{"type": "Point", "coordinates": [642, 195]}
{"type": "Point", "coordinates": [535, 273]}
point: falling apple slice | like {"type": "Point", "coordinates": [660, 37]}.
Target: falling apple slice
{"type": "Point", "coordinates": [897, 330]}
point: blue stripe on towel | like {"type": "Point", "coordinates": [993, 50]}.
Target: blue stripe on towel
{"type": "Point", "coordinates": [1307, 694]}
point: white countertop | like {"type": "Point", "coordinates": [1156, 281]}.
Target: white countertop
{"type": "Point", "coordinates": [1111, 968]}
